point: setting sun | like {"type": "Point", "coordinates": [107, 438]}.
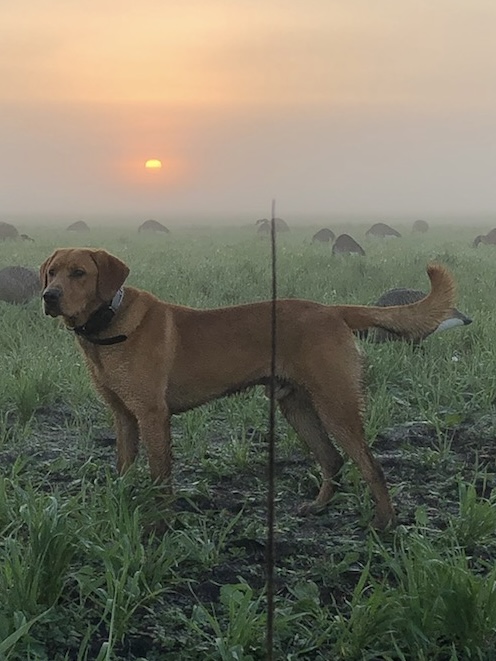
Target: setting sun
{"type": "Point", "coordinates": [153, 164]}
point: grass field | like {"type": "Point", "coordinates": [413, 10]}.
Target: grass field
{"type": "Point", "coordinates": [84, 577]}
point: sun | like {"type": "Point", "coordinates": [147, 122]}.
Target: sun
{"type": "Point", "coordinates": [153, 164]}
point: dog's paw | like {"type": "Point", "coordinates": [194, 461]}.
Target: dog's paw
{"type": "Point", "coordinates": [384, 521]}
{"type": "Point", "coordinates": [311, 508]}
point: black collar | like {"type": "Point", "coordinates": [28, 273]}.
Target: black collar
{"type": "Point", "coordinates": [99, 321]}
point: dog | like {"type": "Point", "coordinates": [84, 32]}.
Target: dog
{"type": "Point", "coordinates": [404, 296]}
{"type": "Point", "coordinates": [152, 359]}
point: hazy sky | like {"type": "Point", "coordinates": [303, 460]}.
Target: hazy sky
{"type": "Point", "coordinates": [330, 106]}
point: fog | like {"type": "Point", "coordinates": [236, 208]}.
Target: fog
{"type": "Point", "coordinates": [366, 114]}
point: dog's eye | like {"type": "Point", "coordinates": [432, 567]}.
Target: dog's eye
{"type": "Point", "coordinates": [78, 273]}
{"type": "Point", "coordinates": [51, 272]}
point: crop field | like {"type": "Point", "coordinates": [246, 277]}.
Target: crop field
{"type": "Point", "coordinates": [87, 575]}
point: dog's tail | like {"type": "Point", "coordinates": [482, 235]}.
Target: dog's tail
{"type": "Point", "coordinates": [413, 321]}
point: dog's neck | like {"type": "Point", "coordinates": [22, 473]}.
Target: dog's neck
{"type": "Point", "coordinates": [100, 320]}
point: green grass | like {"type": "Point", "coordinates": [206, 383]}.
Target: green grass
{"type": "Point", "coordinates": [85, 573]}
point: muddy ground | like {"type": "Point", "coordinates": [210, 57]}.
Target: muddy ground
{"type": "Point", "coordinates": [423, 468]}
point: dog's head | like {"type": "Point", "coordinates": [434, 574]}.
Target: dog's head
{"type": "Point", "coordinates": [77, 281]}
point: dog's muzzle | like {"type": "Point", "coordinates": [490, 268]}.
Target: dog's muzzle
{"type": "Point", "coordinates": [51, 301]}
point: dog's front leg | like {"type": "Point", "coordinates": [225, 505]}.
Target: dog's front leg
{"type": "Point", "coordinates": [126, 428]}
{"type": "Point", "coordinates": [154, 428]}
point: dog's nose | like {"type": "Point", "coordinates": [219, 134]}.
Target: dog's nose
{"type": "Point", "coordinates": [51, 296]}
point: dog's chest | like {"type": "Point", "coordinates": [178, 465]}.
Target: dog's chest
{"type": "Point", "coordinates": [108, 368]}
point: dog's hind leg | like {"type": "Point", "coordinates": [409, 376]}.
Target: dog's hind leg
{"type": "Point", "coordinates": [334, 386]}
{"type": "Point", "coordinates": [342, 419]}
{"type": "Point", "coordinates": [299, 412]}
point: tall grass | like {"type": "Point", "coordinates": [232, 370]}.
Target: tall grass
{"type": "Point", "coordinates": [87, 573]}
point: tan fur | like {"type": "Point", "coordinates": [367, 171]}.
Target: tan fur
{"type": "Point", "coordinates": [176, 358]}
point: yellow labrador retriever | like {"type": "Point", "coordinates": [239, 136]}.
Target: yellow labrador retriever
{"type": "Point", "coordinates": [151, 359]}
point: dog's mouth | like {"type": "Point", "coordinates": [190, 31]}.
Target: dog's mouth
{"type": "Point", "coordinates": [53, 307]}
{"type": "Point", "coordinates": [52, 310]}
{"type": "Point", "coordinates": [51, 302]}
{"type": "Point", "coordinates": [55, 310]}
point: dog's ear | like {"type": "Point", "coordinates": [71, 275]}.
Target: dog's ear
{"type": "Point", "coordinates": [44, 270]}
{"type": "Point", "coordinates": [112, 273]}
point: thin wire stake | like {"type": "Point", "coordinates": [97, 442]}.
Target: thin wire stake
{"type": "Point", "coordinates": [271, 451]}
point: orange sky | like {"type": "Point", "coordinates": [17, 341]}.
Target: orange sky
{"type": "Point", "coordinates": [356, 106]}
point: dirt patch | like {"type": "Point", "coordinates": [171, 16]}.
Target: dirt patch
{"type": "Point", "coordinates": [423, 467]}
{"type": "Point", "coordinates": [422, 464]}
